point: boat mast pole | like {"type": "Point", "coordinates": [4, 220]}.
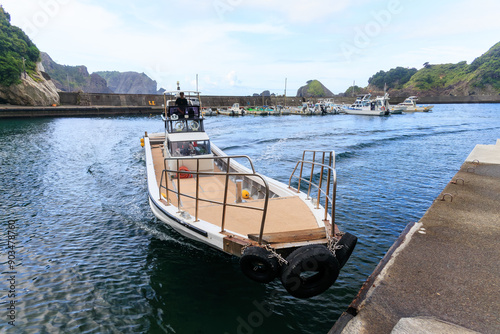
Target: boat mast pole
{"type": "Point", "coordinates": [198, 92]}
{"type": "Point", "coordinates": [285, 92]}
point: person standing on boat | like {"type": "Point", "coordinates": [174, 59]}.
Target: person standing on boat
{"type": "Point", "coordinates": [181, 103]}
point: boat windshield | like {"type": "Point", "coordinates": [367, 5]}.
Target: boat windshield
{"type": "Point", "coordinates": [182, 111]}
{"type": "Point", "coordinates": [189, 148]}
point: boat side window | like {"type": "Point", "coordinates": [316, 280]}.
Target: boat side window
{"type": "Point", "coordinates": [202, 147]}
{"type": "Point", "coordinates": [175, 149]}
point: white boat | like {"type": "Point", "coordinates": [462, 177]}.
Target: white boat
{"type": "Point", "coordinates": [328, 106]}
{"type": "Point", "coordinates": [235, 110]}
{"type": "Point", "coordinates": [305, 109]}
{"type": "Point", "coordinates": [410, 105]}
{"type": "Point", "coordinates": [276, 229]}
{"type": "Point", "coordinates": [208, 112]}
{"type": "Point", "coordinates": [364, 105]}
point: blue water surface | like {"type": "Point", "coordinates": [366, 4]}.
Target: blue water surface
{"type": "Point", "coordinates": [91, 258]}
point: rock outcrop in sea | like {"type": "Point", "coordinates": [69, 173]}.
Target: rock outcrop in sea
{"type": "Point", "coordinates": [314, 88]}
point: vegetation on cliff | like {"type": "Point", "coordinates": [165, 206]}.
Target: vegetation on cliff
{"type": "Point", "coordinates": [314, 88]}
{"type": "Point", "coordinates": [353, 90]}
{"type": "Point", "coordinates": [14, 46]}
{"type": "Point", "coordinates": [394, 78]}
{"type": "Point", "coordinates": [440, 76]}
{"type": "Point", "coordinates": [73, 78]}
{"type": "Point", "coordinates": [487, 68]}
{"type": "Point", "coordinates": [482, 76]}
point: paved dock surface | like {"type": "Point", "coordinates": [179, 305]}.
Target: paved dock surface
{"type": "Point", "coordinates": [443, 273]}
{"type": "Point", "coordinates": [75, 111]}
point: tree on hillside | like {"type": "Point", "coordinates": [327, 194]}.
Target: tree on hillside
{"type": "Point", "coordinates": [487, 68]}
{"type": "Point", "coordinates": [15, 46]}
{"type": "Point", "coordinates": [352, 90]}
{"type": "Point", "coordinates": [394, 78]}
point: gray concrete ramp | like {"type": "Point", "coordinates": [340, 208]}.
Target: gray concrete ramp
{"type": "Point", "coordinates": [446, 266]}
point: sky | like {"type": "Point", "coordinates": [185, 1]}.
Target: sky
{"type": "Point", "coordinates": [242, 47]}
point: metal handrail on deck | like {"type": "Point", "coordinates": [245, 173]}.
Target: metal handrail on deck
{"type": "Point", "coordinates": [227, 174]}
{"type": "Point", "coordinates": [329, 158]}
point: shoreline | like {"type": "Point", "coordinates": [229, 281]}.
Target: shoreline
{"type": "Point", "coordinates": [90, 104]}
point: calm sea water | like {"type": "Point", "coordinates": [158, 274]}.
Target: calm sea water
{"type": "Point", "coordinates": [91, 258]}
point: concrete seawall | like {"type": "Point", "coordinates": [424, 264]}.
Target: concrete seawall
{"type": "Point", "coordinates": [94, 104]}
{"type": "Point", "coordinates": [90, 99]}
{"type": "Point", "coordinates": [442, 275]}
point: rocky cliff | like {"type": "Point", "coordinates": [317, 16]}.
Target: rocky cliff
{"type": "Point", "coordinates": [35, 89]}
{"type": "Point", "coordinates": [129, 82]}
{"type": "Point", "coordinates": [74, 78]}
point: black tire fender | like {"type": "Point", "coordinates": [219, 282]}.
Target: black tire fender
{"type": "Point", "coordinates": [257, 265]}
{"type": "Point", "coordinates": [310, 271]}
{"type": "Point", "coordinates": [348, 242]}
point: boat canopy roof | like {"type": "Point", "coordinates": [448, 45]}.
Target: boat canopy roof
{"type": "Point", "coordinates": [187, 136]}
{"type": "Point", "coordinates": [175, 92]}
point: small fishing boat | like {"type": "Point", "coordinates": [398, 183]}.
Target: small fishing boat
{"type": "Point", "coordinates": [410, 105]}
{"type": "Point", "coordinates": [276, 229]}
{"type": "Point", "coordinates": [208, 112]}
{"type": "Point", "coordinates": [235, 110]}
{"type": "Point", "coordinates": [364, 105]}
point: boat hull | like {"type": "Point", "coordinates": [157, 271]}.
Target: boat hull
{"type": "Point", "coordinates": [352, 111]}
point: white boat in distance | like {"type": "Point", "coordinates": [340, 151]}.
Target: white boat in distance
{"type": "Point", "coordinates": [364, 105]}
{"type": "Point", "coordinates": [276, 229]}
{"type": "Point", "coordinates": [410, 104]}
{"type": "Point", "coordinates": [235, 110]}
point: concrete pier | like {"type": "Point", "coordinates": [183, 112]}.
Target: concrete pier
{"type": "Point", "coordinates": [77, 111]}
{"type": "Point", "coordinates": [443, 273]}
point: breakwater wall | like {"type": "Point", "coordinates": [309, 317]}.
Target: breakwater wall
{"type": "Point", "coordinates": [95, 104]}
{"type": "Point", "coordinates": [95, 99]}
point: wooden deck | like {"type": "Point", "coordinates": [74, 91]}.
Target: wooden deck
{"type": "Point", "coordinates": [284, 214]}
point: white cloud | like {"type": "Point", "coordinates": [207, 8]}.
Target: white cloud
{"type": "Point", "coordinates": [300, 11]}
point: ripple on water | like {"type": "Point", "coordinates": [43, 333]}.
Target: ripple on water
{"type": "Point", "coordinates": [92, 258]}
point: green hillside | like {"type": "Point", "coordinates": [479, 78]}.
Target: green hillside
{"type": "Point", "coordinates": [14, 46]}
{"type": "Point", "coordinates": [484, 71]}
{"type": "Point", "coordinates": [314, 88]}
{"type": "Point", "coordinates": [440, 76]}
{"type": "Point", "coordinates": [481, 76]}
{"type": "Point", "coordinates": [394, 78]}
{"type": "Point", "coordinates": [486, 68]}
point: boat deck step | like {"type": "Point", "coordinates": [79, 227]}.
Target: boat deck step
{"type": "Point", "coordinates": [291, 236]}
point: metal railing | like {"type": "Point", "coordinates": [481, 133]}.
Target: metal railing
{"type": "Point", "coordinates": [164, 184]}
{"type": "Point", "coordinates": [327, 165]}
